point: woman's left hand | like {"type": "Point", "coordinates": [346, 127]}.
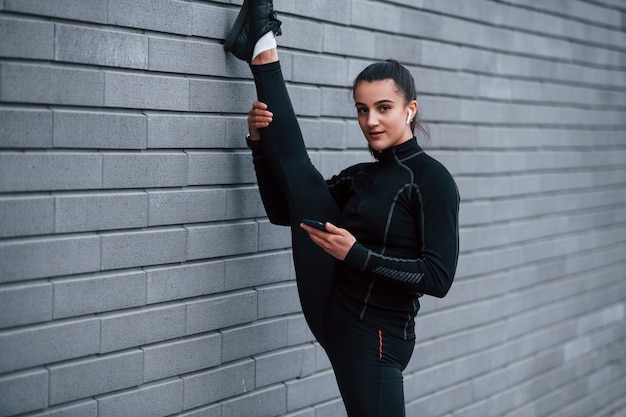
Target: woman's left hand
{"type": "Point", "coordinates": [335, 241]}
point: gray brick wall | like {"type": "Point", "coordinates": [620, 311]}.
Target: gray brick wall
{"type": "Point", "coordinates": [139, 275]}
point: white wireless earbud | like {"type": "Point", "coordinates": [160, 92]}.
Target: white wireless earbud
{"type": "Point", "coordinates": [408, 119]}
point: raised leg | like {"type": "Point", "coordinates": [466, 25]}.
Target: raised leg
{"type": "Point", "coordinates": [306, 192]}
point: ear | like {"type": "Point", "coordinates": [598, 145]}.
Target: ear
{"type": "Point", "coordinates": [413, 105]}
{"type": "Point", "coordinates": [412, 111]}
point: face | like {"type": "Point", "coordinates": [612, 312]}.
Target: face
{"type": "Point", "coordinates": [382, 113]}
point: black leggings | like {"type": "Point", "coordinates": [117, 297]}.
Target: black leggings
{"type": "Point", "coordinates": [367, 363]}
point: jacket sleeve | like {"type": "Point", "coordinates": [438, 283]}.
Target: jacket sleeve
{"type": "Point", "coordinates": [274, 200]}
{"type": "Point", "coordinates": [433, 273]}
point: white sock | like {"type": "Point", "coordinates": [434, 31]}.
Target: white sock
{"type": "Point", "coordinates": [265, 43]}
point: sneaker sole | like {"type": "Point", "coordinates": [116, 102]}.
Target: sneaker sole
{"type": "Point", "coordinates": [237, 26]}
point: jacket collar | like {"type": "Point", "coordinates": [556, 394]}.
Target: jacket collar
{"type": "Point", "coordinates": [399, 152]}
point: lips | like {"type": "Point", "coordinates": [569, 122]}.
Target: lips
{"type": "Point", "coordinates": [375, 135]}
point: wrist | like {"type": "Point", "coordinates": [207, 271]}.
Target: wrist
{"type": "Point", "coordinates": [253, 143]}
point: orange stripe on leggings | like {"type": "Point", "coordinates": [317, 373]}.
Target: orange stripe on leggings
{"type": "Point", "coordinates": [380, 344]}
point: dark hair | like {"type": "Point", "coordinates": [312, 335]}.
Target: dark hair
{"type": "Point", "coordinates": [393, 70]}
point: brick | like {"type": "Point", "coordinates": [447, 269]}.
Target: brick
{"type": "Point", "coordinates": [171, 16]}
{"type": "Point", "coordinates": [138, 327]}
{"type": "Point", "coordinates": [284, 365]}
{"type": "Point", "coordinates": [273, 237]}
{"type": "Point", "coordinates": [243, 203]}
{"type": "Point", "coordinates": [221, 240]}
{"type": "Point", "coordinates": [217, 312]}
{"type": "Point", "coordinates": [102, 211]}
{"type": "Point", "coordinates": [584, 344]}
{"type": "Point", "coordinates": [236, 131]}
{"type": "Point", "coordinates": [99, 130]}
{"type": "Point", "coordinates": [23, 216]}
{"type": "Point", "coordinates": [303, 34]}
{"type": "Point", "coordinates": [311, 390]}
{"type": "Point", "coordinates": [167, 55]}
{"type": "Point", "coordinates": [98, 293]}
{"type": "Point", "coordinates": [333, 135]}
{"type": "Point", "coordinates": [253, 339]}
{"type": "Point", "coordinates": [149, 169]}
{"type": "Point", "coordinates": [186, 206]}
{"type": "Point", "coordinates": [440, 55]}
{"type": "Point", "coordinates": [375, 16]}
{"type": "Point", "coordinates": [385, 46]}
{"type": "Point", "coordinates": [97, 375]}
{"type": "Point", "coordinates": [206, 387]}
{"type": "Point", "coordinates": [259, 403]}
{"type": "Point", "coordinates": [60, 171]}
{"type": "Point", "coordinates": [257, 270]}
{"type": "Point", "coordinates": [158, 399]}
{"type": "Point", "coordinates": [326, 10]}
{"type": "Point", "coordinates": [50, 84]}
{"type": "Point", "coordinates": [25, 304]}
{"type": "Point", "coordinates": [23, 392]}
{"type": "Point", "coordinates": [150, 247]}
{"type": "Point", "coordinates": [182, 131]}
{"type": "Point", "coordinates": [598, 319]}
{"type": "Point", "coordinates": [220, 168]}
{"type": "Point", "coordinates": [39, 258]}
{"type": "Point", "coordinates": [316, 69]}
{"type": "Point", "coordinates": [181, 356]}
{"type": "Point", "coordinates": [446, 109]}
{"type": "Point", "coordinates": [337, 102]}
{"type": "Point", "coordinates": [184, 281]}
{"type": "Point", "coordinates": [333, 408]}
{"type": "Point", "coordinates": [298, 331]}
{"type": "Point", "coordinates": [100, 47]}
{"type": "Point", "coordinates": [349, 41]}
{"type": "Point", "coordinates": [38, 345]}
{"type": "Point", "coordinates": [279, 299]}
{"type": "Point", "coordinates": [212, 21]}
{"type": "Point", "coordinates": [321, 358]}
{"type": "Point", "coordinates": [309, 412]}
{"type": "Point", "coordinates": [87, 408]}
{"type": "Point", "coordinates": [142, 91]}
{"type": "Point", "coordinates": [25, 128]}
{"type": "Point", "coordinates": [89, 10]}
{"type": "Point", "coordinates": [210, 411]}
{"type": "Point", "coordinates": [480, 61]}
{"type": "Point", "coordinates": [26, 39]}
{"type": "Point", "coordinates": [221, 96]}
{"type": "Point", "coordinates": [307, 101]}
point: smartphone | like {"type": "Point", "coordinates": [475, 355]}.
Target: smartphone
{"type": "Point", "coordinates": [314, 223]}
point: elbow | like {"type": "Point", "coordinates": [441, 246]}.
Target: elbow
{"type": "Point", "coordinates": [441, 292]}
{"type": "Point", "coordinates": [443, 288]}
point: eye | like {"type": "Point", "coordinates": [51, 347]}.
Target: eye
{"type": "Point", "coordinates": [384, 108]}
{"type": "Point", "coordinates": [361, 110]}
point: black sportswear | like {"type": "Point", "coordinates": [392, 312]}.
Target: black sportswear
{"type": "Point", "coordinates": [403, 212]}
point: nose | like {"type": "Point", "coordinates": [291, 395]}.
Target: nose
{"type": "Point", "coordinates": [372, 119]}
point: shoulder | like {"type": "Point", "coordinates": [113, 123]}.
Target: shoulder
{"type": "Point", "coordinates": [351, 171]}
{"type": "Point", "coordinates": [432, 175]}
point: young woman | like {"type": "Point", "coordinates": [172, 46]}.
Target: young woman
{"type": "Point", "coordinates": [390, 227]}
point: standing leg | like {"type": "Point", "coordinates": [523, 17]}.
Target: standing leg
{"type": "Point", "coordinates": [368, 365]}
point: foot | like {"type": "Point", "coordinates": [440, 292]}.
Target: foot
{"type": "Point", "coordinates": [255, 19]}
{"type": "Point", "coordinates": [265, 57]}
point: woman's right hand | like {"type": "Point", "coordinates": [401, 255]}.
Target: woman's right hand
{"type": "Point", "coordinates": [258, 118]}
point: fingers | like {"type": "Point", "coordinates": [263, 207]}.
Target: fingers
{"type": "Point", "coordinates": [313, 231]}
{"type": "Point", "coordinates": [335, 241]}
{"type": "Point", "coordinates": [258, 118]}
